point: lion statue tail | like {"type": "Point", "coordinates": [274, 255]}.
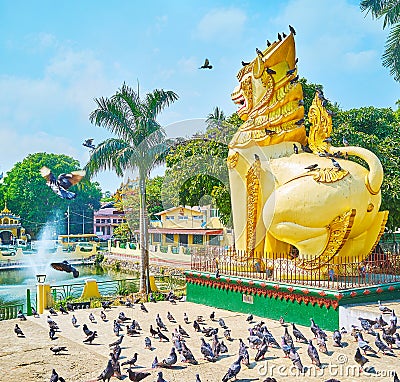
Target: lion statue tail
{"type": "Point", "coordinates": [374, 178]}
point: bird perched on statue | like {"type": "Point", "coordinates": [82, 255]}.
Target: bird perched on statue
{"type": "Point", "coordinates": [64, 181]}
{"type": "Point", "coordinates": [89, 143]}
{"type": "Point", "coordinates": [336, 164]}
{"type": "Point", "coordinates": [206, 64]}
{"type": "Point", "coordinates": [65, 266]}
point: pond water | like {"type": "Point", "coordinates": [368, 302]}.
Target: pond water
{"type": "Point", "coordinates": [14, 283]}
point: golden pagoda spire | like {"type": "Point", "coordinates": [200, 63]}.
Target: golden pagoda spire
{"type": "Point", "coordinates": [5, 210]}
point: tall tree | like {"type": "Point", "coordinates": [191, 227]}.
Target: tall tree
{"type": "Point", "coordinates": [27, 195]}
{"type": "Point", "coordinates": [140, 144]}
{"type": "Point", "coordinates": [389, 10]}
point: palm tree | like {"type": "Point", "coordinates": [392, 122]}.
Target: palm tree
{"type": "Point", "coordinates": [140, 144]}
{"type": "Point", "coordinates": [216, 118]}
{"type": "Point", "coordinates": [390, 11]}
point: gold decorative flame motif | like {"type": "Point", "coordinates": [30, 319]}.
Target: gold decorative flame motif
{"type": "Point", "coordinates": [232, 160]}
{"type": "Point", "coordinates": [328, 175]}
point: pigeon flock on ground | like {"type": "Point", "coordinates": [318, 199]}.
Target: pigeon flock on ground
{"type": "Point", "coordinates": [374, 338]}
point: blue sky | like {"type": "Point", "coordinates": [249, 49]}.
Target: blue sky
{"type": "Point", "coordinates": [55, 58]}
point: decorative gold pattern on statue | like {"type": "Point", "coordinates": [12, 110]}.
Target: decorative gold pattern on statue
{"type": "Point", "coordinates": [369, 188]}
{"type": "Point", "coordinates": [328, 175]}
{"type": "Point", "coordinates": [253, 194]}
{"type": "Point", "coordinates": [271, 99]}
{"type": "Point", "coordinates": [382, 230]}
{"type": "Point", "coordinates": [232, 160]}
{"type": "Point", "coordinates": [321, 125]}
{"type": "Point", "coordinates": [370, 207]}
{"type": "Point", "coordinates": [339, 230]}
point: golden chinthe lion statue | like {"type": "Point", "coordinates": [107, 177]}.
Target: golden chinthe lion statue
{"type": "Point", "coordinates": [288, 189]}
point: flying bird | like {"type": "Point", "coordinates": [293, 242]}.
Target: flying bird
{"type": "Point", "coordinates": [65, 266]}
{"type": "Point", "coordinates": [89, 143]}
{"type": "Point", "coordinates": [64, 181]}
{"type": "Point", "coordinates": [206, 64]}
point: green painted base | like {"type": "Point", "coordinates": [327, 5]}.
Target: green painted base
{"type": "Point", "coordinates": [295, 303]}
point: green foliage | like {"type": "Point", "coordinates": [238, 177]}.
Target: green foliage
{"type": "Point", "coordinates": [390, 12]}
{"type": "Point", "coordinates": [99, 258]}
{"type": "Point", "coordinates": [126, 288]}
{"type": "Point", "coordinates": [123, 232]}
{"type": "Point", "coordinates": [27, 195]}
{"type": "Point", "coordinates": [158, 296]}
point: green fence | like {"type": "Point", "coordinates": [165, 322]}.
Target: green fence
{"type": "Point", "coordinates": [8, 312]}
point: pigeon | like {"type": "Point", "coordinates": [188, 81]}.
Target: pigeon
{"type": "Point", "coordinates": [130, 331]}
{"type": "Point", "coordinates": [161, 336]}
{"type": "Point", "coordinates": [292, 30]}
{"type": "Point", "coordinates": [106, 304]}
{"type": "Point", "coordinates": [64, 181]}
{"type": "Point", "coordinates": [295, 358]}
{"type": "Point", "coordinates": [65, 267]}
{"type": "Point", "coordinates": [288, 337]}
{"type": "Point", "coordinates": [221, 323]}
{"type": "Point", "coordinates": [245, 63]}
{"type": "Point", "coordinates": [270, 71]}
{"type": "Point", "coordinates": [196, 326]}
{"type": "Point", "coordinates": [91, 318]}
{"type": "Point", "coordinates": [137, 376]}
{"type": "Point", "coordinates": [393, 318]}
{"type": "Point", "coordinates": [18, 331]}
{"type": "Point", "coordinates": [151, 298]}
{"type": "Point", "coordinates": [207, 352]}
{"type": "Point", "coordinates": [131, 362]}
{"type": "Point", "coordinates": [206, 64]}
{"type": "Point", "coordinates": [147, 343]}
{"type": "Point", "coordinates": [388, 339]}
{"type": "Point", "coordinates": [188, 355]}
{"type": "Point", "coordinates": [223, 348]}
{"type": "Point", "coordinates": [63, 310]}
{"type": "Point", "coordinates": [171, 360]}
{"type": "Point", "coordinates": [345, 141]}
{"type": "Point", "coordinates": [155, 362]}
{"type": "Point", "coordinates": [311, 167]}
{"type": "Point", "coordinates": [281, 320]}
{"type": "Point", "coordinates": [103, 315]}
{"type": "Point", "coordinates": [360, 359]}
{"type": "Point", "coordinates": [381, 346]}
{"type": "Point", "coordinates": [322, 344]}
{"type": "Point", "coordinates": [227, 334]}
{"type": "Point", "coordinates": [117, 342]}
{"type": "Point", "coordinates": [212, 316]}
{"type": "Point", "coordinates": [34, 312]}
{"type": "Point", "coordinates": [285, 347]}
{"type": "Point", "coordinates": [294, 80]}
{"type": "Point", "coordinates": [58, 349]}
{"type": "Point", "coordinates": [160, 377]}
{"type": "Point", "coordinates": [259, 53]}
{"type": "Point", "coordinates": [185, 318]}
{"type": "Point", "coordinates": [299, 122]}
{"type": "Point", "coordinates": [143, 308]}
{"type": "Point", "coordinates": [153, 332]}
{"type": "Point", "coordinates": [336, 164]}
{"type": "Point", "coordinates": [159, 323]}
{"type": "Point", "coordinates": [198, 375]}
{"type": "Point", "coordinates": [244, 353]}
{"type": "Point", "coordinates": [107, 373]}
{"type": "Point", "coordinates": [53, 312]}
{"type": "Point", "coordinates": [298, 335]}
{"type": "Point", "coordinates": [90, 338]}
{"type": "Point", "coordinates": [70, 307]}
{"type": "Point", "coordinates": [391, 329]}
{"type": "Point", "coordinates": [337, 339]}
{"type": "Point", "coordinates": [233, 370]}
{"type": "Point", "coordinates": [86, 330]}
{"type": "Point", "coordinates": [170, 317]}
{"type": "Point", "coordinates": [295, 148]}
{"type": "Point", "coordinates": [313, 354]}
{"type": "Point", "coordinates": [182, 331]}
{"type": "Point", "coordinates": [21, 316]}
{"type": "Point", "coordinates": [55, 377]}
{"type": "Point", "coordinates": [261, 350]}
{"type": "Point", "coordinates": [89, 143]}
{"type": "Point", "coordinates": [249, 318]}
{"type": "Point", "coordinates": [383, 309]}
{"type": "Point", "coordinates": [395, 377]}
{"type": "Point", "coordinates": [52, 333]}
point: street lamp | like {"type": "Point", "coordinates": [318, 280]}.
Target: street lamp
{"type": "Point", "coordinates": [41, 278]}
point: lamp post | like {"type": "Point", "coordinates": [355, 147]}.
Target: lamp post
{"type": "Point", "coordinates": [41, 278]}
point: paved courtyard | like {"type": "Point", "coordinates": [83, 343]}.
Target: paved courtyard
{"type": "Point", "coordinates": [29, 358]}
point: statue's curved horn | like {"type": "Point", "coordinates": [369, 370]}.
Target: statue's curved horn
{"type": "Point", "coordinates": [258, 67]}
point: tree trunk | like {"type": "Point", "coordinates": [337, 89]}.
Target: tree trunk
{"type": "Point", "coordinates": [144, 238]}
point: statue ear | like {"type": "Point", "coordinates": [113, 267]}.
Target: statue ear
{"type": "Point", "coordinates": [258, 67]}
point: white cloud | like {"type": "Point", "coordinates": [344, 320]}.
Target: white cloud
{"type": "Point", "coordinates": [361, 60]}
{"type": "Point", "coordinates": [188, 65]}
{"type": "Point", "coordinates": [221, 24]}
